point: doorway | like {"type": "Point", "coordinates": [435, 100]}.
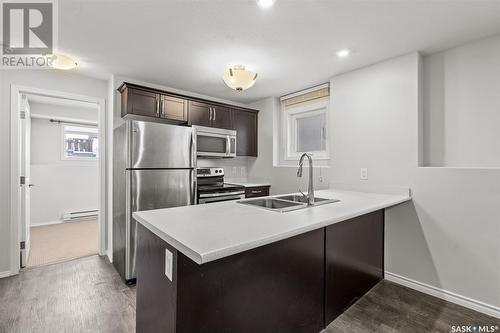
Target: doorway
{"type": "Point", "coordinates": [60, 184]}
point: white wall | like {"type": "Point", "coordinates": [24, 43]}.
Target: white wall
{"type": "Point", "coordinates": [283, 179]}
{"type": "Point", "coordinates": [60, 185]}
{"type": "Point", "coordinates": [462, 105]}
{"type": "Point", "coordinates": [44, 79]}
{"type": "Point", "coordinates": [447, 237]}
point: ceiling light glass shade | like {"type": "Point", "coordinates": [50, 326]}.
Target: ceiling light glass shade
{"type": "Point", "coordinates": [265, 3]}
{"type": "Point", "coordinates": [343, 53]}
{"type": "Point", "coordinates": [237, 78]}
{"type": "Point", "coordinates": [61, 61]}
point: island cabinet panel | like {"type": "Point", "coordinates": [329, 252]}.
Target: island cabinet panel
{"type": "Point", "coordinates": [156, 293]}
{"type": "Point", "coordinates": [274, 288]}
{"type": "Point", "coordinates": [354, 258]}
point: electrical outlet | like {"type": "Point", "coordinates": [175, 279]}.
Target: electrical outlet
{"type": "Point", "coordinates": [168, 264]}
{"type": "Point", "coordinates": [363, 174]}
{"type": "Point", "coordinates": [243, 172]}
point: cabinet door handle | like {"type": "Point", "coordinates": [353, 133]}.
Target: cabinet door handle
{"type": "Point", "coordinates": [162, 108]}
{"type": "Point", "coordinates": [215, 113]}
{"type": "Point", "coordinates": [255, 192]}
{"type": "Point", "coordinates": [209, 113]}
{"type": "Point", "coordinates": [157, 107]}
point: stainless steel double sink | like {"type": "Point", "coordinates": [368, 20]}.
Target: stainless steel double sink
{"type": "Point", "coordinates": [285, 203]}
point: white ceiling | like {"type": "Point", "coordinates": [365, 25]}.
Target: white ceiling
{"type": "Point", "coordinates": [186, 44]}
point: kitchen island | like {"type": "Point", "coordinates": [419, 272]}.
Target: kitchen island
{"type": "Point", "coordinates": [228, 267]}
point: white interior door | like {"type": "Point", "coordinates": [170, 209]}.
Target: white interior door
{"type": "Point", "coordinates": [26, 173]}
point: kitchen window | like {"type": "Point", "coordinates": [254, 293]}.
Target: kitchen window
{"type": "Point", "coordinates": [80, 142]}
{"type": "Point", "coordinates": [304, 124]}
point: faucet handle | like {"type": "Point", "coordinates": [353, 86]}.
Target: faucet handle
{"type": "Point", "coordinates": [306, 198]}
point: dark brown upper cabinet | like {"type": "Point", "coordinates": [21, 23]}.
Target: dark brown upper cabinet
{"type": "Point", "coordinates": [140, 103]}
{"type": "Point", "coordinates": [173, 108]}
{"type": "Point", "coordinates": [149, 104]}
{"type": "Point", "coordinates": [210, 115]}
{"type": "Point", "coordinates": [200, 114]}
{"type": "Point", "coordinates": [245, 124]}
{"type": "Point", "coordinates": [222, 117]}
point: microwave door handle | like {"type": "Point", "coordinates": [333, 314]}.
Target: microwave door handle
{"type": "Point", "coordinates": [228, 145]}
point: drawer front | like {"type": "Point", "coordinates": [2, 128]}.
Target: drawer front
{"type": "Point", "coordinates": [254, 192]}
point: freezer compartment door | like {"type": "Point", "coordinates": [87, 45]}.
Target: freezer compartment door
{"type": "Point", "coordinates": [158, 146]}
{"type": "Point", "coordinates": [155, 189]}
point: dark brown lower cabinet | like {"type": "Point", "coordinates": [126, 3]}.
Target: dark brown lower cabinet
{"type": "Point", "coordinates": [273, 288]}
{"type": "Point", "coordinates": [299, 284]}
{"type": "Point", "coordinates": [354, 259]}
{"type": "Point", "coordinates": [257, 191]}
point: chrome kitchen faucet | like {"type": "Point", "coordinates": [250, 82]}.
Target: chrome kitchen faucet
{"type": "Point", "coordinates": [310, 188]}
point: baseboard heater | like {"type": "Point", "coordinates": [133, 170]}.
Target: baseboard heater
{"type": "Point", "coordinates": [81, 215]}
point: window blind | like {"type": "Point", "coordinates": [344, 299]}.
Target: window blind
{"type": "Point", "coordinates": [306, 96]}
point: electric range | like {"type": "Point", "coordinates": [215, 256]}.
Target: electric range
{"type": "Point", "coordinates": [211, 186]}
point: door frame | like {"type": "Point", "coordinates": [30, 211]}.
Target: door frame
{"type": "Point", "coordinates": [16, 92]}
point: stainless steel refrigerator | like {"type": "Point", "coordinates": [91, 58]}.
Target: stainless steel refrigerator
{"type": "Point", "coordinates": [154, 166]}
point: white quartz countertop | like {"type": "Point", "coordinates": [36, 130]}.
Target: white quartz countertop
{"type": "Point", "coordinates": [212, 231]}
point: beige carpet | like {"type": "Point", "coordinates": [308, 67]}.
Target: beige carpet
{"type": "Point", "coordinates": [62, 242]}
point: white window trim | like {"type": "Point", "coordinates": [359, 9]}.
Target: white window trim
{"type": "Point", "coordinates": [63, 145]}
{"type": "Point", "coordinates": [289, 140]}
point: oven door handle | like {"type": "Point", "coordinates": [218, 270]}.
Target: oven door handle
{"type": "Point", "coordinates": [219, 199]}
{"type": "Point", "coordinates": [221, 194]}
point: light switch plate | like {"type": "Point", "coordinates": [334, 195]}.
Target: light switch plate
{"type": "Point", "coordinates": [363, 174]}
{"type": "Point", "coordinates": [168, 264]}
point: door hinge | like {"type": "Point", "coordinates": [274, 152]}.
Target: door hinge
{"type": "Point", "coordinates": [22, 180]}
{"type": "Point", "coordinates": [22, 245]}
{"type": "Point", "coordinates": [22, 114]}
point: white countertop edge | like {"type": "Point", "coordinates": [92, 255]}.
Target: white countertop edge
{"type": "Point", "coordinates": [222, 253]}
{"type": "Point", "coordinates": [172, 241]}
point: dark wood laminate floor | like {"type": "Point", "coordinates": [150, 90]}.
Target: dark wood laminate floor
{"type": "Point", "coordinates": [87, 295]}
{"type": "Point", "coordinates": [390, 307]}
{"type": "Point", "coordinates": [83, 295]}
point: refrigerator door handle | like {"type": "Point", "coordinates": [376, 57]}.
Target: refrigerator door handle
{"type": "Point", "coordinates": [193, 148]}
{"type": "Point", "coordinates": [194, 187]}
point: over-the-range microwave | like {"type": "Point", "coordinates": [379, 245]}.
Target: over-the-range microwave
{"type": "Point", "coordinates": [215, 142]}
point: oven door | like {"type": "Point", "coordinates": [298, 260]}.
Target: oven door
{"type": "Point", "coordinates": [217, 197]}
{"type": "Point", "coordinates": [215, 142]}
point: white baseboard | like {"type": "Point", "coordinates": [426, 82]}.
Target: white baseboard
{"type": "Point", "coordinates": [449, 296]}
{"type": "Point", "coordinates": [5, 274]}
{"type": "Point", "coordinates": [46, 223]}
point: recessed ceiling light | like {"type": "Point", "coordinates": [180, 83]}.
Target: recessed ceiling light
{"type": "Point", "coordinates": [343, 53]}
{"type": "Point", "coordinates": [265, 3]}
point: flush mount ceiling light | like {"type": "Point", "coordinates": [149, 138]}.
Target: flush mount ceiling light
{"type": "Point", "coordinates": [265, 3]}
{"type": "Point", "coordinates": [238, 78]}
{"type": "Point", "coordinates": [61, 61]}
{"type": "Point", "coordinates": [343, 53]}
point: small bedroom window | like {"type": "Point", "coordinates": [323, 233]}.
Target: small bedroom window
{"type": "Point", "coordinates": [80, 142]}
